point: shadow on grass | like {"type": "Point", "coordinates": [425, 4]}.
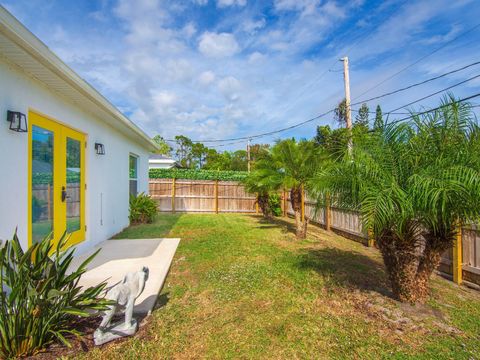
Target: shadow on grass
{"type": "Point", "coordinates": [348, 269]}
{"type": "Point", "coordinates": [274, 222]}
{"type": "Point", "coordinates": [161, 227]}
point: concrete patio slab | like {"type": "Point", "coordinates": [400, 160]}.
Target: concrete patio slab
{"type": "Point", "coordinates": [119, 257]}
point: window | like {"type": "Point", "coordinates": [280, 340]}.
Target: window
{"type": "Point", "coordinates": [133, 175]}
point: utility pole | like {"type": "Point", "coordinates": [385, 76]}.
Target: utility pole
{"type": "Point", "coordinates": [348, 109]}
{"type": "Point", "coordinates": [248, 155]}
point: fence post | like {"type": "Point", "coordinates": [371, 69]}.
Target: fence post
{"type": "Point", "coordinates": [457, 256]}
{"type": "Point", "coordinates": [327, 214]}
{"type": "Point", "coordinates": [216, 196]}
{"type": "Point", "coordinates": [173, 195]}
{"type": "Point", "coordinates": [284, 203]}
{"type": "Point", "coordinates": [371, 238]}
{"type": "Point", "coordinates": [257, 208]}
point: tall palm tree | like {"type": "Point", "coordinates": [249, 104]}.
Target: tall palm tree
{"type": "Point", "coordinates": [411, 183]}
{"type": "Point", "coordinates": [289, 165]}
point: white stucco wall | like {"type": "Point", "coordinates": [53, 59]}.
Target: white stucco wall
{"type": "Point", "coordinates": [107, 176]}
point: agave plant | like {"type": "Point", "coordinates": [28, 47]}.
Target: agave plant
{"type": "Point", "coordinates": [40, 298]}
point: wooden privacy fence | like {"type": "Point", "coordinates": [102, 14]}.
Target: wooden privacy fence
{"type": "Point", "coordinates": [462, 262]}
{"type": "Point", "coordinates": [202, 196]}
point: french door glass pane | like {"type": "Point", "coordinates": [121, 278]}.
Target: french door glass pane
{"type": "Point", "coordinates": [73, 185]}
{"type": "Point", "coordinates": [42, 183]}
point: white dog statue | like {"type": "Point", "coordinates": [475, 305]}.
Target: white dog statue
{"type": "Point", "coordinates": [124, 295]}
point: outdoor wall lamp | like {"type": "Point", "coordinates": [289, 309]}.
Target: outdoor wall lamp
{"type": "Point", "coordinates": [17, 120]}
{"type": "Point", "coordinates": [99, 149]}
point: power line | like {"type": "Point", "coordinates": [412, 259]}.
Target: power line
{"type": "Point", "coordinates": [324, 114]}
{"type": "Point", "coordinates": [436, 108]}
{"type": "Point", "coordinates": [418, 60]}
{"type": "Point", "coordinates": [418, 84]}
{"type": "Point", "coordinates": [435, 93]}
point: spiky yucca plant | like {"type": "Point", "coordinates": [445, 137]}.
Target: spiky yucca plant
{"type": "Point", "coordinates": [40, 298]}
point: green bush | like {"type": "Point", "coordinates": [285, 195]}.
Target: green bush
{"type": "Point", "coordinates": [192, 174]}
{"type": "Point", "coordinates": [37, 207]}
{"type": "Point", "coordinates": [274, 203]}
{"type": "Point", "coordinates": [40, 298]}
{"type": "Point", "coordinates": [143, 209]}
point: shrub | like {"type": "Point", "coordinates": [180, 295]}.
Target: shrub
{"type": "Point", "coordinates": [40, 298]}
{"type": "Point", "coordinates": [274, 203]}
{"type": "Point", "coordinates": [143, 209]}
{"type": "Point", "coordinates": [192, 174]}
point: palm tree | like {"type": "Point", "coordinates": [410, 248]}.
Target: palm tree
{"type": "Point", "coordinates": [255, 184]}
{"type": "Point", "coordinates": [447, 189]}
{"type": "Point", "coordinates": [411, 184]}
{"type": "Point", "coordinates": [289, 165]}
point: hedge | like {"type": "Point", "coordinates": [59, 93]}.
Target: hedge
{"type": "Point", "coordinates": [44, 178]}
{"type": "Point", "coordinates": [191, 174]}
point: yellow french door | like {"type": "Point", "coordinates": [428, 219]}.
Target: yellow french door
{"type": "Point", "coordinates": [56, 181]}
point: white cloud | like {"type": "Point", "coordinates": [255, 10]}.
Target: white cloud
{"type": "Point", "coordinates": [218, 45]}
{"type": "Point", "coordinates": [206, 78]}
{"type": "Point", "coordinates": [225, 3]}
{"type": "Point", "coordinates": [230, 88]}
{"type": "Point", "coordinates": [256, 57]}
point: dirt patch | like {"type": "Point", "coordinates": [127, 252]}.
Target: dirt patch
{"type": "Point", "coordinates": [84, 343]}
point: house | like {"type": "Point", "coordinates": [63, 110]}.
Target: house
{"type": "Point", "coordinates": [69, 159]}
{"type": "Point", "coordinates": [157, 161]}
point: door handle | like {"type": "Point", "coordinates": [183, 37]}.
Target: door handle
{"type": "Point", "coordinates": [64, 194]}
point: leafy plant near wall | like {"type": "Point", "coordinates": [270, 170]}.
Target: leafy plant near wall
{"type": "Point", "coordinates": [274, 203]}
{"type": "Point", "coordinates": [40, 298]}
{"type": "Point", "coordinates": [143, 209]}
{"type": "Point", "coordinates": [192, 174]}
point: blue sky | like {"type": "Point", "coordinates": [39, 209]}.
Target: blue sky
{"type": "Point", "coordinates": [212, 69]}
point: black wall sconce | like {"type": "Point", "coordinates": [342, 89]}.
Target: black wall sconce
{"type": "Point", "coordinates": [17, 120]}
{"type": "Point", "coordinates": [99, 149]}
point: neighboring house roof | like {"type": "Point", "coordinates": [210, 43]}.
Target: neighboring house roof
{"type": "Point", "coordinates": [160, 157]}
{"type": "Point", "coordinates": [24, 50]}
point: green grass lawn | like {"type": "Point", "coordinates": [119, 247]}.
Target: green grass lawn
{"type": "Point", "coordinates": [243, 288]}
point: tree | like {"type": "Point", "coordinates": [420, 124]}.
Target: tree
{"type": "Point", "coordinates": [378, 124]}
{"type": "Point", "coordinates": [362, 117]}
{"type": "Point", "coordinates": [411, 184]}
{"type": "Point", "coordinates": [199, 153]}
{"type": "Point", "coordinates": [341, 112]}
{"type": "Point", "coordinates": [164, 148]}
{"type": "Point", "coordinates": [257, 151]}
{"type": "Point", "coordinates": [238, 160]}
{"type": "Point", "coordinates": [290, 165]}
{"type": "Point", "coordinates": [184, 151]}
{"type": "Point", "coordinates": [334, 142]}
{"type": "Point", "coordinates": [447, 189]}
{"type": "Point", "coordinates": [255, 183]}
